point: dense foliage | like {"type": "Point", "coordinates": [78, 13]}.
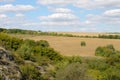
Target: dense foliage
{"type": "Point", "coordinates": [10, 42]}
{"type": "Point", "coordinates": [105, 51]}
{"type": "Point", "coordinates": [27, 52]}
{"type": "Point", "coordinates": [111, 63]}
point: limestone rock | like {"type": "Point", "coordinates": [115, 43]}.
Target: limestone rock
{"type": "Point", "coordinates": [8, 69]}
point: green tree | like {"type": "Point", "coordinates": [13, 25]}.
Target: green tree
{"type": "Point", "coordinates": [105, 51]}
{"type": "Point", "coordinates": [42, 43]}
{"type": "Point", "coordinates": [83, 43]}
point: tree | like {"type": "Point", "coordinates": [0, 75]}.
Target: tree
{"type": "Point", "coordinates": [42, 43]}
{"type": "Point", "coordinates": [105, 51]}
{"type": "Point", "coordinates": [83, 43]}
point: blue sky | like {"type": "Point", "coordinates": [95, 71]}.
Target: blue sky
{"type": "Point", "coordinates": [61, 15]}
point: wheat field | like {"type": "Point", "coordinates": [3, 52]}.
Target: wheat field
{"type": "Point", "coordinates": [70, 46]}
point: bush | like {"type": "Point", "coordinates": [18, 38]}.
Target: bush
{"type": "Point", "coordinates": [1, 78]}
{"type": "Point", "coordinates": [105, 51]}
{"type": "Point", "coordinates": [112, 74]}
{"type": "Point", "coordinates": [98, 64]}
{"type": "Point", "coordinates": [9, 42]}
{"type": "Point", "coordinates": [25, 52]}
{"type": "Point", "coordinates": [42, 43]}
{"type": "Point", "coordinates": [29, 72]}
{"type": "Point", "coordinates": [74, 71]}
{"type": "Point", "coordinates": [74, 59]}
{"type": "Point", "coordinates": [83, 43]}
{"type": "Point", "coordinates": [30, 49]}
{"type": "Point", "coordinates": [51, 54]}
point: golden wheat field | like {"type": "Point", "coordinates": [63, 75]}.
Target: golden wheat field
{"type": "Point", "coordinates": [70, 46]}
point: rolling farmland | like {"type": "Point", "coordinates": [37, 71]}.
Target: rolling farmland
{"type": "Point", "coordinates": [70, 46]}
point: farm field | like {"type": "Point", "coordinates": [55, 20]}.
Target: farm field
{"type": "Point", "coordinates": [70, 46]}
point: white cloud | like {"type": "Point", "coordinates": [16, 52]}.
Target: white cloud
{"type": "Point", "coordinates": [94, 4]}
{"type": "Point", "coordinates": [112, 13]}
{"type": "Point", "coordinates": [86, 4]}
{"type": "Point", "coordinates": [59, 17]}
{"type": "Point", "coordinates": [16, 8]}
{"type": "Point", "coordinates": [61, 10]}
{"type": "Point", "coordinates": [10, 22]}
{"type": "Point", "coordinates": [6, 0]}
{"type": "Point", "coordinates": [55, 2]}
{"type": "Point", "coordinates": [109, 17]}
{"type": "Point", "coordinates": [19, 15]}
{"type": "Point", "coordinates": [3, 16]}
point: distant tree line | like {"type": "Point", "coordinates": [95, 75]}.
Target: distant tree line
{"type": "Point", "coordinates": [31, 32]}
{"type": "Point", "coordinates": [109, 36]}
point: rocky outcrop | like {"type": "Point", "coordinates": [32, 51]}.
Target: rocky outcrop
{"type": "Point", "coordinates": [8, 69]}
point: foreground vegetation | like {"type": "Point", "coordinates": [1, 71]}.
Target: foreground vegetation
{"type": "Point", "coordinates": [38, 61]}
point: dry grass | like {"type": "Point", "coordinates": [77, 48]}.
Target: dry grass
{"type": "Point", "coordinates": [70, 46]}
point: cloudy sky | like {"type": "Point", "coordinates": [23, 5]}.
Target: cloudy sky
{"type": "Point", "coordinates": [61, 15]}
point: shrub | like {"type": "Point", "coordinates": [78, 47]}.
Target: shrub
{"type": "Point", "coordinates": [75, 59]}
{"type": "Point", "coordinates": [83, 43]}
{"type": "Point", "coordinates": [1, 78]}
{"type": "Point", "coordinates": [74, 71]}
{"type": "Point", "coordinates": [9, 42]}
{"type": "Point", "coordinates": [29, 72]}
{"type": "Point", "coordinates": [25, 52]}
{"type": "Point", "coordinates": [112, 74]}
{"type": "Point", "coordinates": [105, 51]}
{"type": "Point", "coordinates": [42, 43]}
{"type": "Point", "coordinates": [51, 54]}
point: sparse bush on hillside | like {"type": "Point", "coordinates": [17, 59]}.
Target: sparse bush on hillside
{"type": "Point", "coordinates": [98, 64]}
{"type": "Point", "coordinates": [42, 43]}
{"type": "Point", "coordinates": [25, 52]}
{"type": "Point", "coordinates": [74, 59]}
{"type": "Point", "coordinates": [112, 73]}
{"type": "Point", "coordinates": [105, 51]}
{"type": "Point", "coordinates": [111, 55]}
{"type": "Point", "coordinates": [29, 50]}
{"type": "Point", "coordinates": [74, 71]}
{"type": "Point", "coordinates": [8, 42]}
{"type": "Point", "coordinates": [29, 72]}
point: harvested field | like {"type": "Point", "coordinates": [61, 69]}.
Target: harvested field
{"type": "Point", "coordinates": [70, 46]}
